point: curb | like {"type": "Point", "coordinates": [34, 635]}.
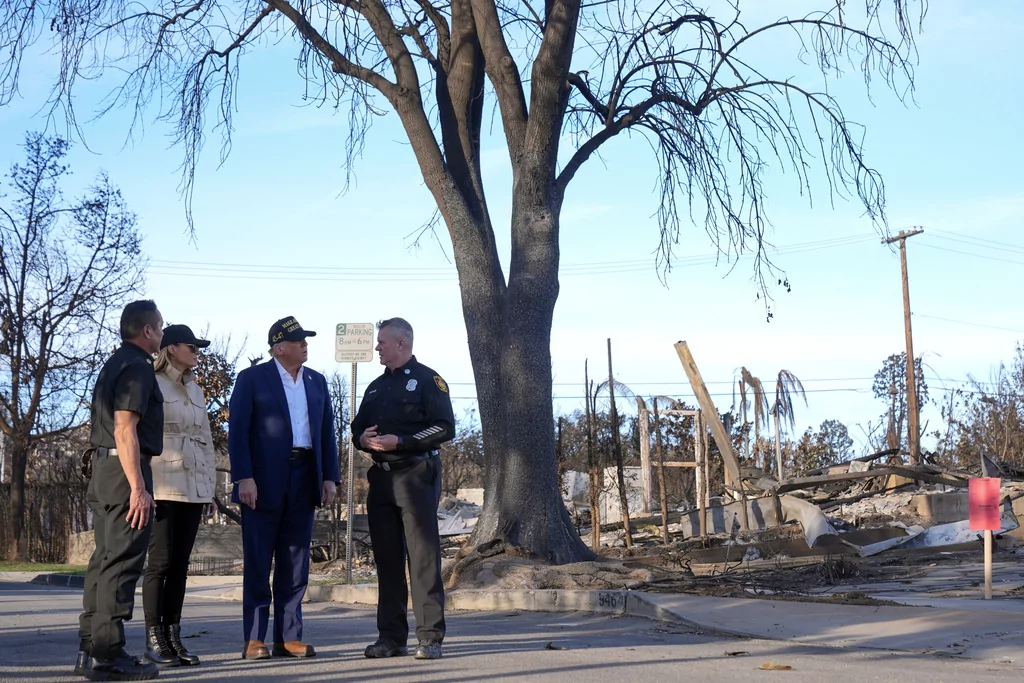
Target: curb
{"type": "Point", "coordinates": [610, 602]}
{"type": "Point", "coordinates": [65, 580]}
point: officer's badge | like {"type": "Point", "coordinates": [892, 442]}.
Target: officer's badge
{"type": "Point", "coordinates": [440, 383]}
{"type": "Point", "coordinates": [411, 385]}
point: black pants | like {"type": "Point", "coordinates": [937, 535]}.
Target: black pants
{"type": "Point", "coordinates": [116, 564]}
{"type": "Point", "coordinates": [170, 546]}
{"type": "Point", "coordinates": [402, 513]}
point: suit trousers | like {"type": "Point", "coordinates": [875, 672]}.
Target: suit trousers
{"type": "Point", "coordinates": [108, 599]}
{"type": "Point", "coordinates": [283, 537]}
{"type": "Point", "coordinates": [402, 513]}
{"type": "Point", "coordinates": [170, 547]}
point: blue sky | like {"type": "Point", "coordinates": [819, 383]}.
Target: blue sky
{"type": "Point", "coordinates": [283, 240]}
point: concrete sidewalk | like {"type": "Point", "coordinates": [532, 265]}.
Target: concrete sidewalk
{"type": "Point", "coordinates": [960, 627]}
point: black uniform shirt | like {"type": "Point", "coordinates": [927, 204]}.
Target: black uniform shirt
{"type": "Point", "coordinates": [127, 382]}
{"type": "Point", "coordinates": [410, 402]}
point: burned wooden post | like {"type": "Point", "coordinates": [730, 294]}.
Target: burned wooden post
{"type": "Point", "coordinates": [595, 482]}
{"type": "Point", "coordinates": [661, 474]}
{"type": "Point", "coordinates": [645, 458]}
{"type": "Point", "coordinates": [700, 456]}
{"type": "Point", "coordinates": [707, 406]}
{"type": "Point", "coordinates": [613, 415]}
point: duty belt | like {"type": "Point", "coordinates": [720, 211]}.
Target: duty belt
{"type": "Point", "coordinates": [102, 452]}
{"type": "Point", "coordinates": [405, 462]}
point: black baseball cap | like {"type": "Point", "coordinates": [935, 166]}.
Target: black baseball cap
{"type": "Point", "coordinates": [181, 334]}
{"type": "Point", "coordinates": [287, 329]}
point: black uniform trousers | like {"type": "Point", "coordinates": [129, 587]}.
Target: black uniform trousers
{"type": "Point", "coordinates": [402, 513]}
{"type": "Point", "coordinates": [116, 564]}
{"type": "Point", "coordinates": [170, 546]}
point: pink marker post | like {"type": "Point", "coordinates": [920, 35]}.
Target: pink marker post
{"type": "Point", "coordinates": [983, 499]}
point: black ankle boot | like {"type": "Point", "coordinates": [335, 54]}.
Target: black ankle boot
{"type": "Point", "coordinates": [174, 640]}
{"type": "Point", "coordinates": [157, 649]}
{"type": "Point", "coordinates": [82, 662]}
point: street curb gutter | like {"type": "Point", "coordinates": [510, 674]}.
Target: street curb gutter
{"type": "Point", "coordinates": [618, 603]}
{"type": "Point", "coordinates": [611, 602]}
{"type": "Point", "coordinates": [66, 580]}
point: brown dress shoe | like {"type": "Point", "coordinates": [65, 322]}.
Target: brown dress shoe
{"type": "Point", "coordinates": [294, 648]}
{"type": "Point", "coordinates": [255, 649]}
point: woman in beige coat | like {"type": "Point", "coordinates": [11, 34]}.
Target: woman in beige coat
{"type": "Point", "coordinates": [183, 483]}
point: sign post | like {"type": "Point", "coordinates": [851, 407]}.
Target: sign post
{"type": "Point", "coordinates": [353, 343]}
{"type": "Point", "coordinates": [983, 498]}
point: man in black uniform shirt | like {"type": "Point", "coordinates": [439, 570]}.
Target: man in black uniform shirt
{"type": "Point", "coordinates": [127, 430]}
{"type": "Point", "coordinates": [405, 415]}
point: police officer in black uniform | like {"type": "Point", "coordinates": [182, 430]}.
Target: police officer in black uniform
{"type": "Point", "coordinates": [127, 430]}
{"type": "Point", "coordinates": [406, 413]}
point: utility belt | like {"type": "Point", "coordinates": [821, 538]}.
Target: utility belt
{"type": "Point", "coordinates": [405, 461]}
{"type": "Point", "coordinates": [101, 452]}
{"type": "Point", "coordinates": [94, 452]}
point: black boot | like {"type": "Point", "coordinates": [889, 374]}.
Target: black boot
{"type": "Point", "coordinates": [121, 666]}
{"type": "Point", "coordinates": [174, 640]}
{"type": "Point", "coordinates": [157, 649]}
{"type": "Point", "coordinates": [82, 662]}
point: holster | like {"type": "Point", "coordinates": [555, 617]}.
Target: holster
{"type": "Point", "coordinates": [87, 462]}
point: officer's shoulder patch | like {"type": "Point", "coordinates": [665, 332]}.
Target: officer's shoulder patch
{"type": "Point", "coordinates": [440, 383]}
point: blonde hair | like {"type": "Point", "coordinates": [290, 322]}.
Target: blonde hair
{"type": "Point", "coordinates": [163, 359]}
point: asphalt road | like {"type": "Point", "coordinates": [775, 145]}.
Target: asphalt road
{"type": "Point", "coordinates": [38, 641]}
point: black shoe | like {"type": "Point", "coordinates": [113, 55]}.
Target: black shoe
{"type": "Point", "coordinates": [429, 649]}
{"type": "Point", "coordinates": [385, 648]}
{"type": "Point", "coordinates": [158, 650]}
{"type": "Point", "coordinates": [82, 663]}
{"type": "Point", "coordinates": [122, 667]}
{"type": "Point", "coordinates": [173, 634]}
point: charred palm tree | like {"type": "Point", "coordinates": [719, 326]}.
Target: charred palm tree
{"type": "Point", "coordinates": [786, 386]}
{"type": "Point", "coordinates": [757, 401]}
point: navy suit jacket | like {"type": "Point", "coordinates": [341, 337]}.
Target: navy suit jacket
{"type": "Point", "coordinates": [260, 433]}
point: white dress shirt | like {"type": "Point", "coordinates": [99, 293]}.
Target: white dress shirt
{"type": "Point", "coordinates": [298, 410]}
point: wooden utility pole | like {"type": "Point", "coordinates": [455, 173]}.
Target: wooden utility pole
{"type": "Point", "coordinates": [661, 474]}
{"type": "Point", "coordinates": [913, 429]}
{"type": "Point", "coordinates": [595, 481]}
{"type": "Point", "coordinates": [613, 415]}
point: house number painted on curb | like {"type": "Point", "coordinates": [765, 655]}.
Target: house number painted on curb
{"type": "Point", "coordinates": [611, 600]}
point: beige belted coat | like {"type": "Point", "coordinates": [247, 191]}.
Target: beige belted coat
{"type": "Point", "coordinates": [185, 472]}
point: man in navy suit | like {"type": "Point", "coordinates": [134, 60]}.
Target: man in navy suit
{"type": "Point", "coordinates": [284, 463]}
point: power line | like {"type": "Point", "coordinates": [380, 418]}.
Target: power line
{"type": "Point", "coordinates": [683, 381]}
{"type": "Point", "coordinates": [663, 383]}
{"type": "Point", "coordinates": [976, 241]}
{"type": "Point", "coordinates": [967, 253]}
{"type": "Point", "coordinates": [221, 270]}
{"type": "Point", "coordinates": [853, 390]}
{"type": "Point", "coordinates": [965, 322]}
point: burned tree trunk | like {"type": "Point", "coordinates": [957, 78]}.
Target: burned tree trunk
{"type": "Point", "coordinates": [510, 344]}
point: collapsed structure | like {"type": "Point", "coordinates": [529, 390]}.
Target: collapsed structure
{"type": "Point", "coordinates": [862, 507]}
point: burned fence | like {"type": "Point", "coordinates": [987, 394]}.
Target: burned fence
{"type": "Point", "coordinates": [53, 511]}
